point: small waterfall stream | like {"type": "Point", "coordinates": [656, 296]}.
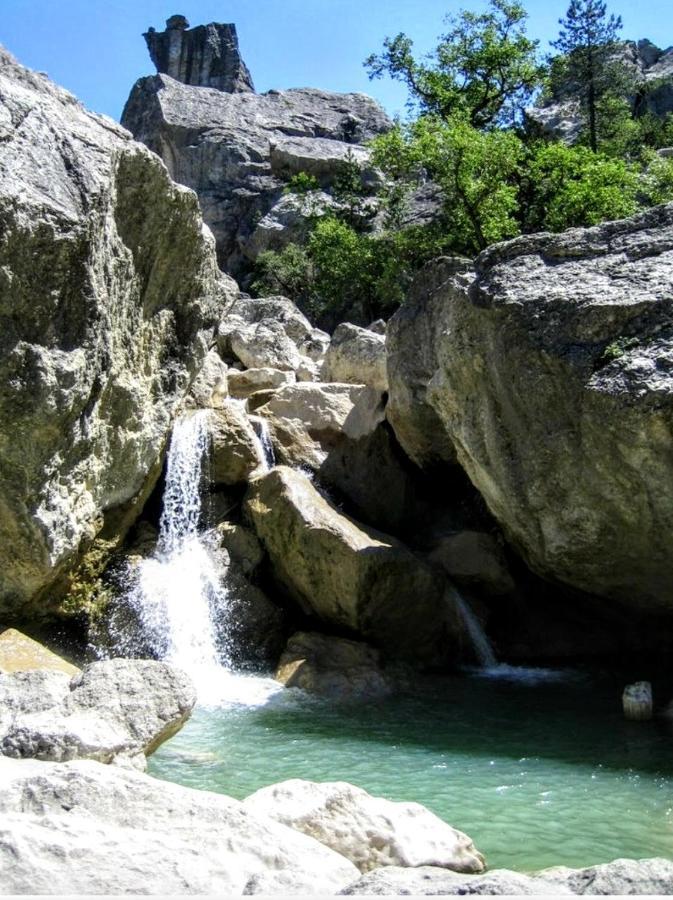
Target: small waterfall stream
{"type": "Point", "coordinates": [481, 645]}
{"type": "Point", "coordinates": [178, 594]}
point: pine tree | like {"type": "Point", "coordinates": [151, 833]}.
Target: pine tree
{"type": "Point", "coordinates": [588, 39]}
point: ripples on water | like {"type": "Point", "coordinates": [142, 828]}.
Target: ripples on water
{"type": "Point", "coordinates": [536, 765]}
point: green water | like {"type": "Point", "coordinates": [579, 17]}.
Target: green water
{"type": "Point", "coordinates": [539, 770]}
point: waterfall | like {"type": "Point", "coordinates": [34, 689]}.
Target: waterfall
{"type": "Point", "coordinates": [481, 645]}
{"type": "Point", "coordinates": [177, 594]}
{"type": "Point", "coordinates": [261, 427]}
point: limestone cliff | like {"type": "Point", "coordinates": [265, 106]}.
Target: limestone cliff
{"type": "Point", "coordinates": [109, 292]}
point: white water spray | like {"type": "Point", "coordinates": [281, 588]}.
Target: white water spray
{"type": "Point", "coordinates": [178, 594]}
{"type": "Point", "coordinates": [261, 428]}
{"type": "Point", "coordinates": [481, 645]}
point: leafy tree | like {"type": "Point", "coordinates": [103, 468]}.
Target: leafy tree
{"type": "Point", "coordinates": [588, 40]}
{"type": "Point", "coordinates": [484, 66]}
{"type": "Point", "coordinates": [657, 180]}
{"type": "Point", "coordinates": [573, 186]}
{"type": "Point", "coordinates": [477, 172]}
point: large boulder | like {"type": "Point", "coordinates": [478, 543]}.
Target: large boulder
{"type": "Point", "coordinates": [235, 450]}
{"type": "Point", "coordinates": [109, 292]}
{"type": "Point", "coordinates": [370, 831]}
{"type": "Point", "coordinates": [551, 377]}
{"type": "Point", "coordinates": [118, 710]}
{"type": "Point", "coordinates": [332, 667]}
{"type": "Point", "coordinates": [357, 356]}
{"type": "Point", "coordinates": [20, 653]}
{"type": "Point", "coordinates": [348, 575]}
{"type": "Point", "coordinates": [84, 828]}
{"type": "Point", "coordinates": [308, 420]}
{"type": "Point", "coordinates": [237, 150]}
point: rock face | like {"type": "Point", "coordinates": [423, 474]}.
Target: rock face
{"type": "Point", "coordinates": [332, 667]}
{"type": "Point", "coordinates": [84, 828]}
{"type": "Point", "coordinates": [237, 150]}
{"type": "Point", "coordinates": [205, 56]}
{"type": "Point", "coordinates": [370, 831]}
{"type": "Point", "coordinates": [109, 292]}
{"type": "Point", "coordinates": [19, 653]}
{"type": "Point", "coordinates": [118, 711]}
{"type": "Point", "coordinates": [357, 356]}
{"type": "Point", "coordinates": [652, 72]}
{"type": "Point", "coordinates": [551, 377]}
{"type": "Point", "coordinates": [348, 575]}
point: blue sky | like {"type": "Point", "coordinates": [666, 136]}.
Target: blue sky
{"type": "Point", "coordinates": [95, 48]}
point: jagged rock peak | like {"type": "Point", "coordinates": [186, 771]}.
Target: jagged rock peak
{"type": "Point", "coordinates": [205, 56]}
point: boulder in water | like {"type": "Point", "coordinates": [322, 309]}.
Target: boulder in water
{"type": "Point", "coordinates": [332, 667]}
{"type": "Point", "coordinates": [118, 710]}
{"type": "Point", "coordinates": [83, 828]}
{"type": "Point", "coordinates": [348, 575]}
{"type": "Point", "coordinates": [370, 831]}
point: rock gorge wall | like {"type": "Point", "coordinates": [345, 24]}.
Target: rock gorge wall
{"type": "Point", "coordinates": [109, 293]}
{"type": "Point", "coordinates": [548, 375]}
{"type": "Point", "coordinates": [237, 149]}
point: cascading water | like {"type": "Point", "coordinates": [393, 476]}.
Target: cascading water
{"type": "Point", "coordinates": [480, 643]}
{"type": "Point", "coordinates": [178, 594]}
{"type": "Point", "coordinates": [261, 427]}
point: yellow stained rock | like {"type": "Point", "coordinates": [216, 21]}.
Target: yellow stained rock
{"type": "Point", "coordinates": [19, 653]}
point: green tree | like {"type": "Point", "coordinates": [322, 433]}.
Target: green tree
{"type": "Point", "coordinates": [484, 66]}
{"type": "Point", "coordinates": [477, 172]}
{"type": "Point", "coordinates": [588, 40]}
{"type": "Point", "coordinates": [573, 186]}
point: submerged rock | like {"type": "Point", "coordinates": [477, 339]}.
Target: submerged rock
{"type": "Point", "coordinates": [349, 575]}
{"type": "Point", "coordinates": [118, 711]}
{"type": "Point", "coordinates": [109, 292]}
{"type": "Point", "coordinates": [370, 831]}
{"type": "Point", "coordinates": [550, 377]}
{"type": "Point", "coordinates": [332, 667]}
{"type": "Point", "coordinates": [84, 828]}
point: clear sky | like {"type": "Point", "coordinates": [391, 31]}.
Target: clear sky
{"type": "Point", "coordinates": [95, 48]}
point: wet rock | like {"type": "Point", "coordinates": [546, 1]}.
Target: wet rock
{"type": "Point", "coordinates": [332, 667]}
{"type": "Point", "coordinates": [206, 56]}
{"type": "Point", "coordinates": [370, 831]}
{"type": "Point", "coordinates": [19, 653]}
{"type": "Point", "coordinates": [84, 828]}
{"type": "Point", "coordinates": [241, 544]}
{"type": "Point", "coordinates": [346, 574]}
{"type": "Point", "coordinates": [357, 356]}
{"type": "Point", "coordinates": [117, 710]}
{"type": "Point", "coordinates": [235, 450]}
{"type": "Point", "coordinates": [109, 292]}
{"type": "Point", "coordinates": [550, 375]}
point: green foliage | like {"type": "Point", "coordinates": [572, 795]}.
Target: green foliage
{"type": "Point", "coordinates": [302, 183]}
{"type": "Point", "coordinates": [657, 180]}
{"type": "Point", "coordinates": [572, 186]}
{"type": "Point", "coordinates": [476, 170]}
{"type": "Point", "coordinates": [617, 349]}
{"type": "Point", "coordinates": [484, 66]}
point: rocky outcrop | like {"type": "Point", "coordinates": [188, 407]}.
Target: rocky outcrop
{"type": "Point", "coordinates": [650, 70]}
{"type": "Point", "coordinates": [235, 449]}
{"type": "Point", "coordinates": [550, 376]}
{"type": "Point", "coordinates": [332, 667]}
{"type": "Point", "coordinates": [109, 292]}
{"type": "Point", "coordinates": [347, 575]}
{"type": "Point", "coordinates": [370, 831]}
{"type": "Point", "coordinates": [118, 711]}
{"type": "Point", "coordinates": [237, 150]}
{"type": "Point", "coordinates": [357, 356]}
{"type": "Point", "coordinates": [84, 828]}
{"type": "Point", "coordinates": [205, 56]}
